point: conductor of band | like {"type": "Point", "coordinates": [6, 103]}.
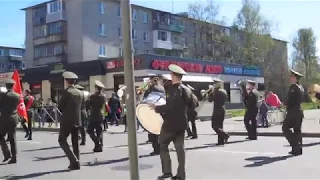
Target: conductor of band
{"type": "Point", "coordinates": [294, 114]}
{"type": "Point", "coordinates": [175, 123]}
{"type": "Point", "coordinates": [70, 104]}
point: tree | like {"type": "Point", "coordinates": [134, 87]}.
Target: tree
{"type": "Point", "coordinates": [304, 54]}
{"type": "Point", "coordinates": [208, 30]}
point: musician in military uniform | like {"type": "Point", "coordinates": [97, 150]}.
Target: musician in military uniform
{"type": "Point", "coordinates": [97, 102]}
{"type": "Point", "coordinates": [71, 103]}
{"type": "Point", "coordinates": [250, 116]}
{"type": "Point", "coordinates": [29, 103]}
{"type": "Point", "coordinates": [84, 118]}
{"type": "Point", "coordinates": [175, 123]}
{"type": "Point", "coordinates": [192, 116]}
{"type": "Point", "coordinates": [9, 118]}
{"type": "Point", "coordinates": [294, 114]}
{"type": "Point", "coordinates": [219, 98]}
{"type": "Point", "coordinates": [154, 86]}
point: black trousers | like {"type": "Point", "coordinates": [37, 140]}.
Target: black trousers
{"type": "Point", "coordinates": [293, 121]}
{"type": "Point", "coordinates": [82, 128]}
{"type": "Point", "coordinates": [217, 125]}
{"type": "Point", "coordinates": [250, 122]}
{"type": "Point", "coordinates": [64, 133]}
{"type": "Point", "coordinates": [154, 139]}
{"type": "Point", "coordinates": [30, 119]}
{"type": "Point", "coordinates": [13, 143]}
{"type": "Point", "coordinates": [95, 132]}
{"type": "Point", "coordinates": [193, 130]}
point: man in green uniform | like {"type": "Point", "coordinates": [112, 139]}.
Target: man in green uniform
{"type": "Point", "coordinates": [294, 114]}
{"type": "Point", "coordinates": [250, 116]}
{"type": "Point", "coordinates": [175, 123]}
{"type": "Point", "coordinates": [192, 116]}
{"type": "Point", "coordinates": [9, 118]}
{"type": "Point", "coordinates": [97, 103]}
{"type": "Point", "coordinates": [70, 105]}
{"type": "Point", "coordinates": [29, 103]}
{"type": "Point", "coordinates": [84, 117]}
{"type": "Point", "coordinates": [219, 97]}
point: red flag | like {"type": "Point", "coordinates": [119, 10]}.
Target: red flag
{"type": "Point", "coordinates": [17, 88]}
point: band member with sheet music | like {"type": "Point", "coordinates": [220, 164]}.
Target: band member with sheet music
{"type": "Point", "coordinates": [9, 118]}
{"type": "Point", "coordinates": [153, 86]}
{"type": "Point", "coordinates": [192, 116]}
{"type": "Point", "coordinates": [84, 118]}
{"type": "Point", "coordinates": [97, 103]}
{"type": "Point", "coordinates": [175, 123]}
{"type": "Point", "coordinates": [29, 103]}
{"type": "Point", "coordinates": [70, 105]}
{"type": "Point", "coordinates": [250, 117]}
{"type": "Point", "coordinates": [219, 97]}
{"type": "Point", "coordinates": [294, 114]}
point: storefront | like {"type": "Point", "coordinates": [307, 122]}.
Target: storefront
{"type": "Point", "coordinates": [197, 71]}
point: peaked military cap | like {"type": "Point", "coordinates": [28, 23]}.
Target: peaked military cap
{"type": "Point", "coordinates": [99, 84]}
{"type": "Point", "coordinates": [190, 87]}
{"type": "Point", "coordinates": [176, 69]}
{"type": "Point", "coordinates": [216, 80]}
{"type": "Point", "coordinates": [9, 81]}
{"type": "Point", "coordinates": [79, 87]}
{"type": "Point", "coordinates": [251, 82]}
{"type": "Point", "coordinates": [295, 73]}
{"type": "Point", "coordinates": [69, 75]}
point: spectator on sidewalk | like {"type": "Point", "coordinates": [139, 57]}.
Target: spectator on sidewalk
{"type": "Point", "coordinates": [263, 114]}
{"type": "Point", "coordinates": [273, 100]}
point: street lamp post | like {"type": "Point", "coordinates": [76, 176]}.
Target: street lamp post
{"type": "Point", "coordinates": [130, 91]}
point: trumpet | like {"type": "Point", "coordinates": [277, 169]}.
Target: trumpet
{"type": "Point", "coordinates": [206, 93]}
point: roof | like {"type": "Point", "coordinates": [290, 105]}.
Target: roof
{"type": "Point", "coordinates": [36, 5]}
{"type": "Point", "coordinates": [11, 47]}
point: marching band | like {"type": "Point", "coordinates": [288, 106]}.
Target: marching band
{"type": "Point", "coordinates": [164, 112]}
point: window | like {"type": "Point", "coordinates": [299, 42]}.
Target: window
{"type": "Point", "coordinates": [1, 52]}
{"type": "Point", "coordinates": [120, 52]}
{"type": "Point", "coordinates": [54, 28]}
{"type": "Point", "coordinates": [102, 7]}
{"type": "Point", "coordinates": [147, 51]}
{"type": "Point", "coordinates": [146, 36]}
{"type": "Point", "coordinates": [162, 36]}
{"type": "Point", "coordinates": [54, 7]}
{"type": "Point", "coordinates": [40, 31]}
{"type": "Point", "coordinates": [11, 65]}
{"type": "Point", "coordinates": [49, 50]}
{"type": "Point", "coordinates": [23, 65]}
{"type": "Point", "coordinates": [102, 29]}
{"type": "Point", "coordinates": [119, 11]}
{"type": "Point", "coordinates": [16, 52]}
{"type": "Point", "coordinates": [145, 17]}
{"type": "Point", "coordinates": [134, 34]}
{"type": "Point", "coordinates": [102, 51]}
{"type": "Point", "coordinates": [119, 32]}
{"type": "Point", "coordinates": [227, 31]}
{"type": "Point", "coordinates": [134, 14]}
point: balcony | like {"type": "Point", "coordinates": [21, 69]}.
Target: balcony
{"type": "Point", "coordinates": [57, 16]}
{"type": "Point", "coordinates": [158, 44]}
{"type": "Point", "coordinates": [16, 58]}
{"type": "Point", "coordinates": [173, 27]}
{"type": "Point", "coordinates": [50, 39]}
{"type": "Point", "coordinates": [179, 46]}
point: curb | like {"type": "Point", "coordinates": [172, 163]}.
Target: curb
{"type": "Point", "coordinates": [232, 133]}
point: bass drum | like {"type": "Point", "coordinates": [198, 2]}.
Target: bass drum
{"type": "Point", "coordinates": [148, 118]}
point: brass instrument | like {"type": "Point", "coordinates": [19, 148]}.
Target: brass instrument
{"type": "Point", "coordinates": [206, 93]}
{"type": "Point", "coordinates": [312, 90]}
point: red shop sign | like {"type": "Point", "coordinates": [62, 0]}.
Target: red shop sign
{"type": "Point", "coordinates": [213, 69]}
{"type": "Point", "coordinates": [36, 86]}
{"type": "Point", "coordinates": [118, 64]}
{"type": "Point", "coordinates": [189, 67]}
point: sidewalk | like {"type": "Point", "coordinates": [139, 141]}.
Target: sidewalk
{"type": "Point", "coordinates": [234, 126]}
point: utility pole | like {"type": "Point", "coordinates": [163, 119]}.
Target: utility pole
{"type": "Point", "coordinates": [130, 91]}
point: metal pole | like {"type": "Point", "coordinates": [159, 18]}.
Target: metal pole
{"type": "Point", "coordinates": [130, 91]}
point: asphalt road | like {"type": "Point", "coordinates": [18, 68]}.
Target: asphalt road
{"type": "Point", "coordinates": [263, 159]}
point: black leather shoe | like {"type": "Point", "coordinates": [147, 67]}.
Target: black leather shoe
{"type": "Point", "coordinates": [176, 178]}
{"type": "Point", "coordinates": [165, 176]}
{"type": "Point", "coordinates": [6, 158]}
{"type": "Point", "coordinates": [74, 166]}
{"type": "Point", "coordinates": [29, 138]}
{"type": "Point", "coordinates": [154, 153]}
{"type": "Point", "coordinates": [226, 138]}
{"type": "Point", "coordinates": [13, 161]}
{"type": "Point", "coordinates": [82, 143]}
{"type": "Point", "coordinates": [98, 149]}
{"type": "Point", "coordinates": [194, 137]}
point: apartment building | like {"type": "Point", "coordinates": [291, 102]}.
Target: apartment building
{"type": "Point", "coordinates": [11, 58]}
{"type": "Point", "coordinates": [83, 30]}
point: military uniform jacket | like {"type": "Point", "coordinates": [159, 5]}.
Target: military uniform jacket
{"type": "Point", "coordinates": [295, 97]}
{"type": "Point", "coordinates": [97, 103]}
{"type": "Point", "coordinates": [26, 102]}
{"type": "Point", "coordinates": [252, 101]}
{"type": "Point", "coordinates": [175, 109]}
{"type": "Point", "coordinates": [84, 114]}
{"type": "Point", "coordinates": [219, 98]}
{"type": "Point", "coordinates": [9, 118]}
{"type": "Point", "coordinates": [71, 103]}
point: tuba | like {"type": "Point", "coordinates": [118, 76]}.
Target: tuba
{"type": "Point", "coordinates": [86, 95]}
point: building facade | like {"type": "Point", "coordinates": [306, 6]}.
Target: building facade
{"type": "Point", "coordinates": [11, 58]}
{"type": "Point", "coordinates": [83, 30]}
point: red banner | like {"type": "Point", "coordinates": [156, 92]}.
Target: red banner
{"type": "Point", "coordinates": [17, 88]}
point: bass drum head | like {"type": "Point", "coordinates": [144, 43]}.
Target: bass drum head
{"type": "Point", "coordinates": [149, 119]}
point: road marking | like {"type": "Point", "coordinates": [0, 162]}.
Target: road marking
{"type": "Point", "coordinates": [31, 142]}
